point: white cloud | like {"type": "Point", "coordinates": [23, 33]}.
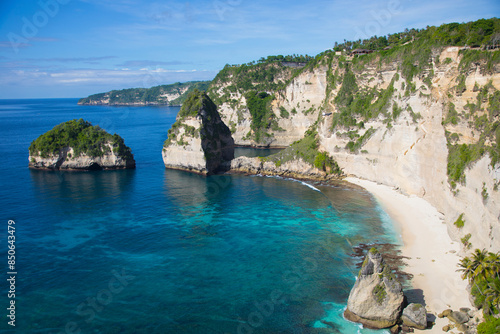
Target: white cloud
{"type": "Point", "coordinates": [93, 80]}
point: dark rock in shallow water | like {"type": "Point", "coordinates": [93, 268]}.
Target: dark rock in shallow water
{"type": "Point", "coordinates": [376, 300]}
{"type": "Point", "coordinates": [415, 315]}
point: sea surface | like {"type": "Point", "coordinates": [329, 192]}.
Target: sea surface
{"type": "Point", "coordinates": [152, 250]}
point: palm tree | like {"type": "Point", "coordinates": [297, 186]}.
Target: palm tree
{"type": "Point", "coordinates": [466, 268]}
{"type": "Point", "coordinates": [494, 264]}
{"type": "Point", "coordinates": [493, 293]}
{"type": "Point", "coordinates": [480, 264]}
{"type": "Point", "coordinates": [482, 270]}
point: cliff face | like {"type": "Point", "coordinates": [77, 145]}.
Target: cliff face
{"type": "Point", "coordinates": [66, 159]}
{"type": "Point", "coordinates": [289, 113]}
{"type": "Point", "coordinates": [403, 130]}
{"type": "Point", "coordinates": [413, 153]}
{"type": "Point", "coordinates": [198, 141]}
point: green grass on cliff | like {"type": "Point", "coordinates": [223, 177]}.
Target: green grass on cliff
{"type": "Point", "coordinates": [82, 136]}
{"type": "Point", "coordinates": [353, 102]}
{"type": "Point", "coordinates": [484, 116]}
{"type": "Point", "coordinates": [263, 118]}
{"type": "Point", "coordinates": [307, 150]}
{"type": "Point", "coordinates": [195, 102]}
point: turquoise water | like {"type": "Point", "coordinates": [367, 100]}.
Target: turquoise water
{"type": "Point", "coordinates": [160, 251]}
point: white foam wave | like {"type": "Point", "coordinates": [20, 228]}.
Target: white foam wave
{"type": "Point", "coordinates": [310, 186]}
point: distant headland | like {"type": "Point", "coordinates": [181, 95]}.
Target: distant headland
{"type": "Point", "coordinates": [170, 95]}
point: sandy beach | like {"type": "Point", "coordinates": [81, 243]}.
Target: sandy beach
{"type": "Point", "coordinates": [433, 255]}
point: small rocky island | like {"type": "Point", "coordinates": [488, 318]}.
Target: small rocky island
{"type": "Point", "coordinates": [78, 145]}
{"type": "Point", "coordinates": [198, 141]}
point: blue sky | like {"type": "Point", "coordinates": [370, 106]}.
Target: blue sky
{"type": "Point", "coordinates": [73, 48]}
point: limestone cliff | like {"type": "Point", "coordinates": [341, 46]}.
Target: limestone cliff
{"type": "Point", "coordinates": [286, 114]}
{"type": "Point", "coordinates": [77, 145]}
{"type": "Point", "coordinates": [198, 141]}
{"type": "Point", "coordinates": [414, 146]}
{"type": "Point", "coordinates": [422, 119]}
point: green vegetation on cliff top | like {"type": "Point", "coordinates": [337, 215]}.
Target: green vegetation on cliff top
{"type": "Point", "coordinates": [197, 101]}
{"type": "Point", "coordinates": [473, 34]}
{"type": "Point", "coordinates": [151, 95]}
{"type": "Point", "coordinates": [83, 137]}
{"type": "Point", "coordinates": [197, 104]}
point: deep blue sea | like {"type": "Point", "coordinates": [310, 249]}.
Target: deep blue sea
{"type": "Point", "coordinates": [152, 250]}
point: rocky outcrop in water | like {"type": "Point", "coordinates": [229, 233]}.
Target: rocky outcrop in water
{"type": "Point", "coordinates": [198, 141]}
{"type": "Point", "coordinates": [78, 145]}
{"type": "Point", "coordinates": [296, 169]}
{"type": "Point", "coordinates": [376, 300]}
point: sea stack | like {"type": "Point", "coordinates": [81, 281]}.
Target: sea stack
{"type": "Point", "coordinates": [198, 141]}
{"type": "Point", "coordinates": [376, 300]}
{"type": "Point", "coordinates": [78, 145]}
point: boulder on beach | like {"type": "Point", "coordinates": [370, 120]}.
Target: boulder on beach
{"type": "Point", "coordinates": [458, 317]}
{"type": "Point", "coordinates": [415, 315]}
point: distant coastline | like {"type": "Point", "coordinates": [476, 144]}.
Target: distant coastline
{"type": "Point", "coordinates": [172, 95]}
{"type": "Point", "coordinates": [126, 104]}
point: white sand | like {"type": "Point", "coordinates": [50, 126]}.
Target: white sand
{"type": "Point", "coordinates": [427, 243]}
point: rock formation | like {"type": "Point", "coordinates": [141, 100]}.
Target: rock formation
{"type": "Point", "coordinates": [198, 141]}
{"type": "Point", "coordinates": [415, 315]}
{"type": "Point", "coordinates": [376, 300]}
{"type": "Point", "coordinates": [77, 145]}
{"type": "Point", "coordinates": [296, 169]}
{"type": "Point", "coordinates": [465, 320]}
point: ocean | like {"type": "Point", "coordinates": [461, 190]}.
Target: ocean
{"type": "Point", "coordinates": [152, 250]}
